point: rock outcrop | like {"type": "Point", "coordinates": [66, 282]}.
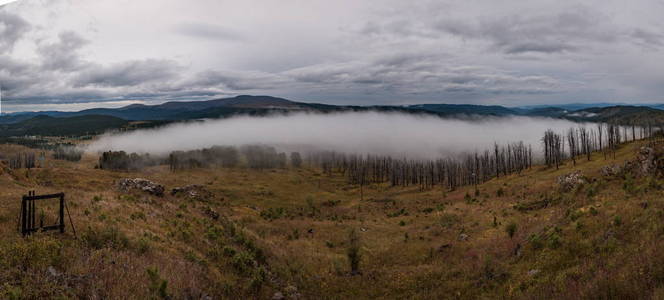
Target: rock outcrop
{"type": "Point", "coordinates": [570, 181]}
{"type": "Point", "coordinates": [193, 192]}
{"type": "Point", "coordinates": [141, 184]}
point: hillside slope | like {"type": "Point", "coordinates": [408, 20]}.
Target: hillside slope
{"type": "Point", "coordinates": [621, 114]}
{"type": "Point", "coordinates": [51, 126]}
{"type": "Point", "coordinates": [287, 231]}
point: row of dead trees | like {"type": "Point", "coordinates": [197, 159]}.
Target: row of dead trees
{"type": "Point", "coordinates": [451, 173]}
{"type": "Point", "coordinates": [252, 156]}
{"type": "Point", "coordinates": [24, 160]}
{"type": "Point", "coordinates": [476, 168]}
{"type": "Point", "coordinates": [581, 142]}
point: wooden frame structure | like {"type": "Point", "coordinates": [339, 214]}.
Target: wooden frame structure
{"type": "Point", "coordinates": [28, 220]}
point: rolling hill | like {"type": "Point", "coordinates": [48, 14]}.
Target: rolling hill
{"type": "Point", "coordinates": [263, 105]}
{"type": "Point", "coordinates": [67, 126]}
{"type": "Point", "coordinates": [620, 114]}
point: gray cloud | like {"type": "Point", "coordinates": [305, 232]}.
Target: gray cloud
{"type": "Point", "coordinates": [207, 31]}
{"type": "Point", "coordinates": [129, 73]}
{"type": "Point", "coordinates": [63, 55]}
{"type": "Point", "coordinates": [349, 52]}
{"type": "Point", "coordinates": [12, 28]}
{"type": "Point", "coordinates": [237, 81]}
{"type": "Point", "coordinates": [566, 31]}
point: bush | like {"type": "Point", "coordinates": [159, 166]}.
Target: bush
{"type": "Point", "coordinates": [617, 221]}
{"type": "Point", "coordinates": [511, 229]}
{"type": "Point", "coordinates": [31, 253]}
{"type": "Point", "coordinates": [448, 220]}
{"type": "Point", "coordinates": [107, 237]}
{"type": "Point", "coordinates": [243, 262]}
{"type": "Point", "coordinates": [158, 286]}
{"type": "Point", "coordinates": [353, 252]}
{"type": "Point", "coordinates": [273, 213]}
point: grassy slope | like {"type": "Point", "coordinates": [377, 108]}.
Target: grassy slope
{"type": "Point", "coordinates": [597, 241]}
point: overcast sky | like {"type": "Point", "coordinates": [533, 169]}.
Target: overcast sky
{"type": "Point", "coordinates": [72, 54]}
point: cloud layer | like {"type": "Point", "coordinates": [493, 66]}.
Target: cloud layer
{"type": "Point", "coordinates": [398, 135]}
{"type": "Point", "coordinates": [346, 52]}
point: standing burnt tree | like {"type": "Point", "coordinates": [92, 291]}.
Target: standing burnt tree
{"type": "Point", "coordinates": [296, 159]}
{"type": "Point", "coordinates": [553, 148]}
{"type": "Point", "coordinates": [573, 144]}
{"type": "Point", "coordinates": [584, 134]}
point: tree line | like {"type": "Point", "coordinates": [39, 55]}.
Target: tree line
{"type": "Point", "coordinates": [470, 169]}
{"type": "Point", "coordinates": [582, 141]}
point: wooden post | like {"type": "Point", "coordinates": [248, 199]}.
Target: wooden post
{"type": "Point", "coordinates": [62, 213]}
{"type": "Point", "coordinates": [23, 215]}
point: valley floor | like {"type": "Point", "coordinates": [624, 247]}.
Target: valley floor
{"type": "Point", "coordinates": [292, 233]}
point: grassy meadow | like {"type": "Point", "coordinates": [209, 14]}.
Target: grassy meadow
{"type": "Point", "coordinates": [298, 233]}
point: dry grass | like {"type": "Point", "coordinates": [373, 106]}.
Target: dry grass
{"type": "Point", "coordinates": [291, 227]}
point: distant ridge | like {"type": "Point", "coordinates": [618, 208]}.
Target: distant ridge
{"type": "Point", "coordinates": [263, 105]}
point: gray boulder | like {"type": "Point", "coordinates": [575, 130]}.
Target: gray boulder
{"type": "Point", "coordinates": [141, 184]}
{"type": "Point", "coordinates": [570, 181]}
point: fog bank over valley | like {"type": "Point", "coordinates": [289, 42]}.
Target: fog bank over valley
{"type": "Point", "coordinates": [394, 134]}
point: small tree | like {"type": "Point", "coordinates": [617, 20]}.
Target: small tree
{"type": "Point", "coordinates": [354, 255]}
{"type": "Point", "coordinates": [296, 159]}
{"type": "Point", "coordinates": [511, 229]}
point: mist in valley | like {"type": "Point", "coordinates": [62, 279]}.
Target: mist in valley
{"type": "Point", "coordinates": [393, 134]}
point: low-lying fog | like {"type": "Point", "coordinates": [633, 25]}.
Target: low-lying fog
{"type": "Point", "coordinates": [394, 134]}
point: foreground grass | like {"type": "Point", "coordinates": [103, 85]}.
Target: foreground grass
{"type": "Point", "coordinates": [288, 231]}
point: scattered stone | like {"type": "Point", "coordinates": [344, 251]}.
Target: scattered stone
{"type": "Point", "coordinates": [533, 272]}
{"type": "Point", "coordinates": [193, 192]}
{"type": "Point", "coordinates": [443, 247]}
{"type": "Point", "coordinates": [208, 211]}
{"type": "Point", "coordinates": [611, 170]}
{"type": "Point", "coordinates": [609, 234]}
{"type": "Point", "coordinates": [517, 250]}
{"type": "Point", "coordinates": [646, 161]}
{"type": "Point", "coordinates": [463, 237]}
{"type": "Point", "coordinates": [363, 229]}
{"type": "Point", "coordinates": [278, 296]}
{"type": "Point", "coordinates": [570, 181]}
{"type": "Point", "coordinates": [52, 271]}
{"type": "Point", "coordinates": [292, 292]}
{"type": "Point", "coordinates": [128, 184]}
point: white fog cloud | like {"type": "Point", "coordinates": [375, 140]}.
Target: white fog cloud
{"type": "Point", "coordinates": [392, 134]}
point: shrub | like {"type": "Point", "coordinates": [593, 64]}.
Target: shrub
{"type": "Point", "coordinates": [353, 253]}
{"type": "Point", "coordinates": [628, 185]}
{"type": "Point", "coordinates": [617, 221]}
{"type": "Point", "coordinates": [448, 220]}
{"type": "Point", "coordinates": [143, 245]}
{"type": "Point", "coordinates": [107, 237]}
{"type": "Point", "coordinates": [243, 262]}
{"type": "Point", "coordinates": [158, 286]}
{"type": "Point", "coordinates": [31, 253]}
{"type": "Point", "coordinates": [593, 211]}
{"type": "Point", "coordinates": [511, 229]}
{"type": "Point", "coordinates": [467, 198]}
{"type": "Point", "coordinates": [228, 251]}
{"type": "Point", "coordinates": [273, 213]}
{"type": "Point", "coordinates": [500, 192]}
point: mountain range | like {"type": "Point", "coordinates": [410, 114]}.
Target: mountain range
{"type": "Point", "coordinates": [99, 119]}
